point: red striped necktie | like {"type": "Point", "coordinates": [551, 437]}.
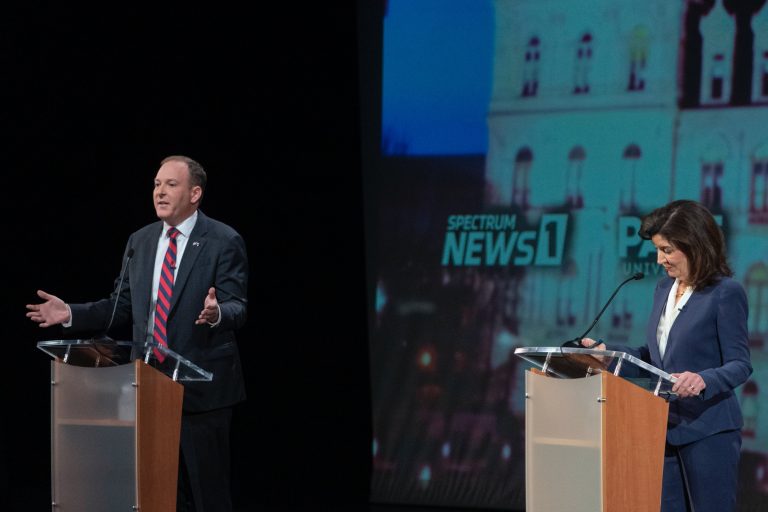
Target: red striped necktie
{"type": "Point", "coordinates": [164, 293]}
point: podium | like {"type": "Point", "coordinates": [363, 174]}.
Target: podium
{"type": "Point", "coordinates": [595, 430]}
{"type": "Point", "coordinates": [115, 425]}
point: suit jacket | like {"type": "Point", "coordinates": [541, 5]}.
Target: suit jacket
{"type": "Point", "coordinates": [215, 255]}
{"type": "Point", "coordinates": [709, 337]}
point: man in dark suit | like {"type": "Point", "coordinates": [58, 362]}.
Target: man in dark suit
{"type": "Point", "coordinates": [207, 304]}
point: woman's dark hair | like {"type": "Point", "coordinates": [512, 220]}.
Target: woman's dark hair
{"type": "Point", "coordinates": [691, 228]}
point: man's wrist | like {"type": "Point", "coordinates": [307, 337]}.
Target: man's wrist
{"type": "Point", "coordinates": [218, 319]}
{"type": "Point", "coordinates": [67, 323]}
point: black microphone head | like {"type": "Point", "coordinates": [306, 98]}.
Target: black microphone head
{"type": "Point", "coordinates": [638, 275]}
{"type": "Point", "coordinates": [129, 254]}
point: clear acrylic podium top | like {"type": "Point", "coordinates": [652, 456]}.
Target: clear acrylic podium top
{"type": "Point", "coordinates": [99, 352]}
{"type": "Point", "coordinates": [572, 362]}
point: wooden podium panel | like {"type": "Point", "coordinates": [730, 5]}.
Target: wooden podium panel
{"type": "Point", "coordinates": [634, 436]}
{"type": "Point", "coordinates": [593, 444]}
{"type": "Point", "coordinates": [158, 426]}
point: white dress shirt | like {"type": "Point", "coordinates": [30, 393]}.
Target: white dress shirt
{"type": "Point", "coordinates": [185, 229]}
{"type": "Point", "coordinates": [669, 315]}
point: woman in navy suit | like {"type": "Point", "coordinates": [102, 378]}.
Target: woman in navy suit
{"type": "Point", "coordinates": [697, 331]}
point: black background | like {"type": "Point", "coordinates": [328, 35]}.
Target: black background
{"type": "Point", "coordinates": [268, 100]}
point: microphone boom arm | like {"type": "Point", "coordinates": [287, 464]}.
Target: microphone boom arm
{"type": "Point", "coordinates": [576, 342]}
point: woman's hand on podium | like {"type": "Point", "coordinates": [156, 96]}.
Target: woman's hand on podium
{"type": "Point", "coordinates": [688, 384]}
{"type": "Point", "coordinates": [590, 343]}
{"type": "Point", "coordinates": [597, 345]}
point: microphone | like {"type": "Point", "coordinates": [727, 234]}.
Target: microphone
{"type": "Point", "coordinates": [576, 342]}
{"type": "Point", "coordinates": [105, 338]}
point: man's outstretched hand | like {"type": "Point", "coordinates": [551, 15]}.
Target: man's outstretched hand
{"type": "Point", "coordinates": [210, 312]}
{"type": "Point", "coordinates": [52, 311]}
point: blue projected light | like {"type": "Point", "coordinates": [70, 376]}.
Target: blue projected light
{"type": "Point", "coordinates": [522, 142]}
{"type": "Point", "coordinates": [437, 77]}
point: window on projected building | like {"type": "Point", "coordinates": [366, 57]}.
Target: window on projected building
{"type": "Point", "coordinates": [583, 62]}
{"type": "Point", "coordinates": [638, 56]}
{"type": "Point", "coordinates": [531, 67]}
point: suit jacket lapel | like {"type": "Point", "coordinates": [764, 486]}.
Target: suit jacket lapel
{"type": "Point", "coordinates": [659, 303]}
{"type": "Point", "coordinates": [194, 246]}
{"type": "Point", "coordinates": [142, 284]}
{"type": "Point", "coordinates": [672, 343]}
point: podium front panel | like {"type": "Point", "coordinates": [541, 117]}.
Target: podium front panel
{"type": "Point", "coordinates": [93, 445]}
{"type": "Point", "coordinates": [563, 450]}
